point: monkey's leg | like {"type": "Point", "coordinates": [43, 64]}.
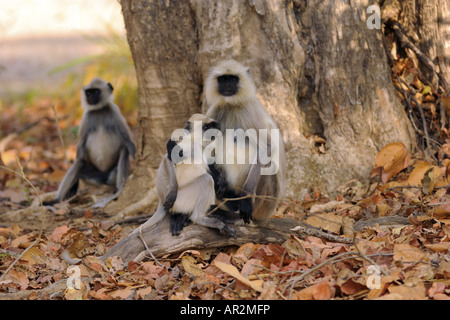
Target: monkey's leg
{"type": "Point", "coordinates": [203, 204]}
{"type": "Point", "coordinates": [177, 222]}
{"type": "Point", "coordinates": [69, 185]}
{"type": "Point", "coordinates": [263, 208]}
{"type": "Point", "coordinates": [246, 205]}
{"type": "Point", "coordinates": [223, 215]}
{"type": "Point", "coordinates": [216, 224]}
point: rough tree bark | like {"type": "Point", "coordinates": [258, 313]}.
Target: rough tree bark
{"type": "Point", "coordinates": [318, 68]}
{"type": "Point", "coordinates": [427, 22]}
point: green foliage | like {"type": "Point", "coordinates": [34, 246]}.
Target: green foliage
{"type": "Point", "coordinates": [114, 64]}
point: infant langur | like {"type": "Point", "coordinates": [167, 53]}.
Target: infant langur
{"type": "Point", "coordinates": [185, 188]}
{"type": "Point", "coordinates": [104, 145]}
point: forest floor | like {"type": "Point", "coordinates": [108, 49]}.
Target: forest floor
{"type": "Point", "coordinates": [384, 238]}
{"type": "Point", "coordinates": [397, 224]}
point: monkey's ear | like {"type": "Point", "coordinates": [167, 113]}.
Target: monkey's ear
{"type": "Point", "coordinates": [188, 126]}
{"type": "Point", "coordinates": [110, 87]}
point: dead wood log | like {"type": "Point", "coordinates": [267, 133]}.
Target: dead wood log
{"type": "Point", "coordinates": [160, 241]}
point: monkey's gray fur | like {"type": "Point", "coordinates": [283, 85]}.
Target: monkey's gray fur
{"type": "Point", "coordinates": [231, 99]}
{"type": "Point", "coordinates": [104, 147]}
{"type": "Point", "coordinates": [185, 188]}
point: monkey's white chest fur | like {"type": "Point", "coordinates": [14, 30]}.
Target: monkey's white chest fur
{"type": "Point", "coordinates": [195, 184]}
{"type": "Point", "coordinates": [102, 149]}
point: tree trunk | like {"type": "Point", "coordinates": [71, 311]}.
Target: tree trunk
{"type": "Point", "coordinates": [428, 25]}
{"type": "Point", "coordinates": [319, 70]}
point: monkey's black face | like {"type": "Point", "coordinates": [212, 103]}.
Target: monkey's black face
{"type": "Point", "coordinates": [93, 96]}
{"type": "Point", "coordinates": [228, 85]}
{"type": "Point", "coordinates": [205, 127]}
{"type": "Point", "coordinates": [170, 145]}
{"type": "Point", "coordinates": [211, 125]}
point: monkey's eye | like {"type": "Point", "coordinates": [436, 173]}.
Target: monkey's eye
{"type": "Point", "coordinates": [92, 92]}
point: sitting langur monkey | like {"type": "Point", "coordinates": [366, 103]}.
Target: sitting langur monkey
{"type": "Point", "coordinates": [231, 99]}
{"type": "Point", "coordinates": [185, 188]}
{"type": "Point", "coordinates": [104, 147]}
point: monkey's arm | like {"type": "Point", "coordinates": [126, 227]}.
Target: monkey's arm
{"type": "Point", "coordinates": [167, 183]}
{"type": "Point", "coordinates": [223, 188]}
{"type": "Point", "coordinates": [123, 169]}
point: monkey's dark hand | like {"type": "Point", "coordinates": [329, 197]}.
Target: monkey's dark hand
{"type": "Point", "coordinates": [170, 200]}
{"type": "Point", "coordinates": [246, 209]}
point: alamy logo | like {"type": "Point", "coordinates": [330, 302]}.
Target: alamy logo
{"type": "Point", "coordinates": [236, 146]}
{"type": "Point", "coordinates": [373, 281]}
{"type": "Point", "coordinates": [374, 20]}
{"type": "Point", "coordinates": [74, 280]}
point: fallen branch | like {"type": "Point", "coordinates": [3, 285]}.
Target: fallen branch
{"type": "Point", "coordinates": [390, 220]}
{"type": "Point", "coordinates": [161, 242]}
{"type": "Point", "coordinates": [310, 231]}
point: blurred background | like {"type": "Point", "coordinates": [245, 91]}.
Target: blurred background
{"type": "Point", "coordinates": [49, 49]}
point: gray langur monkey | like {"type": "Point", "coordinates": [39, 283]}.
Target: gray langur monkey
{"type": "Point", "coordinates": [185, 188]}
{"type": "Point", "coordinates": [104, 147]}
{"type": "Point", "coordinates": [231, 99]}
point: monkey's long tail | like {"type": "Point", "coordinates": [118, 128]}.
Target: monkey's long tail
{"type": "Point", "coordinates": [154, 219]}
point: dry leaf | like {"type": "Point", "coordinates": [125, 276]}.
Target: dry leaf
{"type": "Point", "coordinates": [420, 169]}
{"type": "Point", "coordinates": [417, 292]}
{"type": "Point", "coordinates": [325, 206]}
{"type": "Point", "coordinates": [319, 291]}
{"type": "Point", "coordinates": [408, 253]}
{"type": "Point", "coordinates": [59, 232]}
{"type": "Point", "coordinates": [444, 269]}
{"type": "Point", "coordinates": [74, 294]}
{"type": "Point", "coordinates": [189, 264]}
{"type": "Point", "coordinates": [442, 211]}
{"type": "Point", "coordinates": [23, 241]}
{"type": "Point", "coordinates": [33, 256]}
{"type": "Point", "coordinates": [442, 247]}
{"type": "Point", "coordinates": [19, 277]}
{"type": "Point", "coordinates": [234, 272]}
{"type": "Point", "coordinates": [142, 293]}
{"type": "Point", "coordinates": [121, 293]}
{"type": "Point", "coordinates": [392, 159]}
{"type": "Point", "coordinates": [326, 221]}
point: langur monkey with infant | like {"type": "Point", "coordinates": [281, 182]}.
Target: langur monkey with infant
{"type": "Point", "coordinates": [191, 192]}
